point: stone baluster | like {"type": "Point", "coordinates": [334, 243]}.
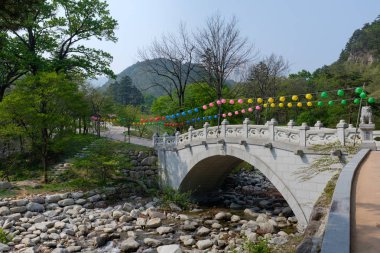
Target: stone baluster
{"type": "Point", "coordinates": [246, 123]}
{"type": "Point", "coordinates": [303, 129]}
{"type": "Point", "coordinates": [342, 125]}
{"type": "Point", "coordinates": [271, 124]}
{"type": "Point", "coordinates": [318, 125]}
{"type": "Point", "coordinates": [164, 136]}
{"type": "Point", "coordinates": [155, 137]}
{"type": "Point", "coordinates": [223, 129]}
{"type": "Point", "coordinates": [205, 129]}
{"type": "Point", "coordinates": [177, 134]}
{"type": "Point", "coordinates": [190, 133]}
{"type": "Point", "coordinates": [291, 124]}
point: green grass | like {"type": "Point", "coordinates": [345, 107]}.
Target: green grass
{"type": "Point", "coordinates": [7, 193]}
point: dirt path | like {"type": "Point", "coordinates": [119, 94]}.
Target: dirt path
{"type": "Point", "coordinates": [116, 133]}
{"type": "Point", "coordinates": [366, 207]}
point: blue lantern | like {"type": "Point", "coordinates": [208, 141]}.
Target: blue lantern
{"type": "Point", "coordinates": [189, 111]}
{"type": "Point", "coordinates": [210, 117]}
{"type": "Point", "coordinates": [204, 118]}
{"type": "Point", "coordinates": [215, 116]}
{"type": "Point", "coordinates": [178, 114]}
{"type": "Point", "coordinates": [187, 121]}
{"type": "Point", "coordinates": [167, 117]}
{"type": "Point", "coordinates": [173, 116]}
{"type": "Point", "coordinates": [196, 110]}
{"type": "Point", "coordinates": [193, 120]}
{"type": "Point", "coordinates": [184, 114]}
{"type": "Point", "coordinates": [198, 119]}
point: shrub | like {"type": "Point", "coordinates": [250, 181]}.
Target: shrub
{"type": "Point", "coordinates": [170, 195]}
{"type": "Point", "coordinates": [4, 236]}
{"type": "Point", "coordinates": [258, 247]}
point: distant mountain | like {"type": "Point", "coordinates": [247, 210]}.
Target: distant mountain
{"type": "Point", "coordinates": [97, 82]}
{"type": "Point", "coordinates": [143, 79]}
{"type": "Point", "coordinates": [364, 45]}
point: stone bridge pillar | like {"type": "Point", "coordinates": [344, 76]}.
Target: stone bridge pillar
{"type": "Point", "coordinates": [342, 125]}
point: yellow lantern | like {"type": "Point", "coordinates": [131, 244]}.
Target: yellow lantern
{"type": "Point", "coordinates": [309, 104]}
{"type": "Point", "coordinates": [270, 100]}
{"type": "Point", "coordinates": [290, 105]}
{"type": "Point", "coordinates": [294, 97]}
{"type": "Point", "coordinates": [259, 100]}
{"type": "Point", "coordinates": [308, 96]}
{"type": "Point", "coordinates": [273, 105]}
{"type": "Point", "coordinates": [282, 99]}
{"type": "Point", "coordinates": [250, 100]}
{"type": "Point", "coordinates": [265, 105]}
{"type": "Point", "coordinates": [299, 104]}
{"type": "Point", "coordinates": [281, 105]}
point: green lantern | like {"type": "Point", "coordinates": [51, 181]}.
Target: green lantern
{"type": "Point", "coordinates": [320, 103]}
{"type": "Point", "coordinates": [359, 90]}
{"type": "Point", "coordinates": [324, 94]}
{"type": "Point", "coordinates": [330, 103]}
{"type": "Point", "coordinates": [363, 95]}
{"type": "Point", "coordinates": [343, 102]}
{"type": "Point", "coordinates": [340, 93]}
{"type": "Point", "coordinates": [356, 101]}
{"type": "Point", "coordinates": [371, 100]}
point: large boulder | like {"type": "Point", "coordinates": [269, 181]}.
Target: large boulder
{"type": "Point", "coordinates": [204, 244]}
{"type": "Point", "coordinates": [129, 245]}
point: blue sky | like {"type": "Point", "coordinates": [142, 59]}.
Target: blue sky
{"type": "Point", "coordinates": [309, 34]}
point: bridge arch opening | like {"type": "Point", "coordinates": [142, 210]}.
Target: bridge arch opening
{"type": "Point", "coordinates": [208, 170]}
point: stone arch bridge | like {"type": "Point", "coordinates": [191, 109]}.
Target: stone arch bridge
{"type": "Point", "coordinates": [200, 159]}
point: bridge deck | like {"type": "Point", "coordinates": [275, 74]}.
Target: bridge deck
{"type": "Point", "coordinates": [366, 207]}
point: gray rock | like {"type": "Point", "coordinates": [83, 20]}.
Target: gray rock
{"type": "Point", "coordinates": [287, 211]}
{"type": "Point", "coordinates": [153, 223]}
{"type": "Point", "coordinates": [174, 207]}
{"type": "Point", "coordinates": [265, 228]}
{"type": "Point", "coordinates": [80, 201]}
{"type": "Point", "coordinates": [38, 199]}
{"type": "Point", "coordinates": [95, 198]}
{"type": "Point", "coordinates": [164, 230]}
{"type": "Point", "coordinates": [140, 222]}
{"type": "Point", "coordinates": [172, 248]}
{"type": "Point", "coordinates": [77, 195]}
{"type": "Point", "coordinates": [66, 202]}
{"type": "Point", "coordinates": [53, 198]}
{"type": "Point", "coordinates": [73, 249]}
{"type": "Point", "coordinates": [4, 247]}
{"type": "Point", "coordinates": [4, 185]}
{"type": "Point", "coordinates": [204, 244]}
{"type": "Point", "coordinates": [251, 214]}
{"type": "Point", "coordinates": [59, 250]}
{"type": "Point", "coordinates": [220, 216]}
{"type": "Point", "coordinates": [128, 207]}
{"type": "Point", "coordinates": [152, 242]}
{"type": "Point", "coordinates": [129, 245]}
{"type": "Point", "coordinates": [203, 231]}
{"type": "Point", "coordinates": [235, 218]}
{"type": "Point", "coordinates": [101, 240]}
{"type": "Point", "coordinates": [4, 211]}
{"type": "Point", "coordinates": [14, 217]}
{"type": "Point", "coordinates": [35, 207]}
{"type": "Point", "coordinates": [59, 225]}
{"type": "Point", "coordinates": [149, 161]}
{"type": "Point", "coordinates": [19, 202]}
{"type": "Point", "coordinates": [116, 214]}
{"type": "Point", "coordinates": [18, 209]}
{"type": "Point", "coordinates": [41, 226]}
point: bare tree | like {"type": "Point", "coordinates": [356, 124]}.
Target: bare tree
{"type": "Point", "coordinates": [221, 50]}
{"type": "Point", "coordinates": [171, 59]}
{"type": "Point", "coordinates": [264, 77]}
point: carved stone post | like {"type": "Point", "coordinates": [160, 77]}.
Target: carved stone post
{"type": "Point", "coordinates": [318, 125]}
{"type": "Point", "coordinates": [303, 129]}
{"type": "Point", "coordinates": [340, 129]}
{"type": "Point", "coordinates": [177, 134]}
{"type": "Point", "coordinates": [291, 123]}
{"type": "Point", "coordinates": [224, 128]}
{"type": "Point", "coordinates": [154, 139]}
{"type": "Point", "coordinates": [246, 122]}
{"type": "Point", "coordinates": [205, 127]}
{"type": "Point", "coordinates": [271, 124]}
{"type": "Point", "coordinates": [190, 133]}
{"type": "Point", "coordinates": [164, 136]}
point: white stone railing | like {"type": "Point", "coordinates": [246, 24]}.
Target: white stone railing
{"type": "Point", "coordinates": [303, 136]}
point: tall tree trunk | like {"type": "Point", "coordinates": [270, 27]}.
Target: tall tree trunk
{"type": "Point", "coordinates": [44, 154]}
{"type": "Point", "coordinates": [2, 92]}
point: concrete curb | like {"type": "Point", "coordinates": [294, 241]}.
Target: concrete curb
{"type": "Point", "coordinates": [338, 228]}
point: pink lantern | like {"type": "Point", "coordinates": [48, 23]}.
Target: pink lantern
{"type": "Point", "coordinates": [240, 101]}
{"type": "Point", "coordinates": [219, 102]}
{"type": "Point", "coordinates": [211, 104]}
{"type": "Point", "coordinates": [258, 107]}
{"type": "Point", "coordinates": [232, 102]}
{"type": "Point", "coordinates": [243, 111]}
{"type": "Point", "coordinates": [223, 101]}
{"type": "Point", "coordinates": [224, 115]}
{"type": "Point", "coordinates": [229, 114]}
{"type": "Point", "coordinates": [236, 112]}
{"type": "Point", "coordinates": [204, 107]}
{"type": "Point", "coordinates": [250, 109]}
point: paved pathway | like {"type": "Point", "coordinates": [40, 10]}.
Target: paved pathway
{"type": "Point", "coordinates": [116, 133]}
{"type": "Point", "coordinates": [366, 209]}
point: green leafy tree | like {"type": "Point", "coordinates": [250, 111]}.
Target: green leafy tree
{"type": "Point", "coordinates": [125, 93]}
{"type": "Point", "coordinates": [41, 106]}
